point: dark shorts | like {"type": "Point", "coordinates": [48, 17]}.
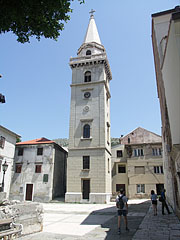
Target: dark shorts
{"type": "Point", "coordinates": [154, 202]}
{"type": "Point", "coordinates": [122, 212]}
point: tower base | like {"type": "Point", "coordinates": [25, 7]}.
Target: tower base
{"type": "Point", "coordinates": [76, 197]}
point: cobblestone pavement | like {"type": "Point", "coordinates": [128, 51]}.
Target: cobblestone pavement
{"type": "Point", "coordinates": [142, 224]}
{"type": "Point", "coordinates": [166, 227]}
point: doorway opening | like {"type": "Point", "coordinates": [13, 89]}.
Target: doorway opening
{"type": "Point", "coordinates": [159, 188]}
{"type": "Point", "coordinates": [85, 188]}
{"type": "Point", "coordinates": [29, 191]}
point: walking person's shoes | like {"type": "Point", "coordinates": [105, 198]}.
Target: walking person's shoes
{"type": "Point", "coordinates": [169, 212]}
{"type": "Point", "coordinates": [127, 229]}
{"type": "Point", "coordinates": [119, 231]}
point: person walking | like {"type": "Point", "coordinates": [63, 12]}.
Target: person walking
{"type": "Point", "coordinates": [163, 200]}
{"type": "Point", "coordinates": [122, 209]}
{"type": "Point", "coordinates": [154, 202]}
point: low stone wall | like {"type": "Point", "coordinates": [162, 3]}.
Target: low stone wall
{"type": "Point", "coordinates": [29, 214]}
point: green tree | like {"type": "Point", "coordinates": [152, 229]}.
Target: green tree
{"type": "Point", "coordinates": [18, 139]}
{"type": "Point", "coordinates": [26, 18]}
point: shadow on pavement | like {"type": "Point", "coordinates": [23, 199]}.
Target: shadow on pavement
{"type": "Point", "coordinates": [107, 219]}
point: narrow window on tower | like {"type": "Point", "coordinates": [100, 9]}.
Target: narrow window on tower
{"type": "Point", "coordinates": [86, 131]}
{"type": "Point", "coordinates": [86, 161]}
{"type": "Point", "coordinates": [87, 76]}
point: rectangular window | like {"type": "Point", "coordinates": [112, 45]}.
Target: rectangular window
{"type": "Point", "coordinates": [40, 151]}
{"type": "Point", "coordinates": [18, 168]}
{"type": "Point", "coordinates": [121, 169]}
{"type": "Point", "coordinates": [135, 153]}
{"type": "Point", "coordinates": [158, 169]}
{"type": "Point", "coordinates": [138, 152]}
{"type": "Point", "coordinates": [2, 142]}
{"type": "Point", "coordinates": [119, 153]}
{"type": "Point", "coordinates": [156, 151]}
{"type": "Point", "coordinates": [86, 161]}
{"type": "Point", "coordinates": [38, 168]}
{"type": "Point", "coordinates": [139, 170]}
{"type": "Point", "coordinates": [108, 134]}
{"type": "Point", "coordinates": [140, 188]}
{"type": "Point", "coordinates": [20, 151]}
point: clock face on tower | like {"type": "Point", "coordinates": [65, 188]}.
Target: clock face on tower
{"type": "Point", "coordinates": [87, 94]}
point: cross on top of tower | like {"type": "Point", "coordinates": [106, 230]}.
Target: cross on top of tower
{"type": "Point", "coordinates": [92, 13]}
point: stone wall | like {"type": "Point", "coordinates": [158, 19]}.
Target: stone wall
{"type": "Point", "coordinates": [29, 214]}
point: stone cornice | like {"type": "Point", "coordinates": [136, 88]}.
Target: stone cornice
{"type": "Point", "coordinates": [92, 60]}
{"type": "Point", "coordinates": [89, 148]}
{"type": "Point", "coordinates": [91, 83]}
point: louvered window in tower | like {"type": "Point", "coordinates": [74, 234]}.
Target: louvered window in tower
{"type": "Point", "coordinates": [87, 76]}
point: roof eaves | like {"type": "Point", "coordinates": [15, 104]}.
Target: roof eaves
{"type": "Point", "coordinates": [163, 12]}
{"type": "Point", "coordinates": [9, 131]}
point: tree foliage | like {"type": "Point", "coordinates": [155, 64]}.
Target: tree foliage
{"type": "Point", "coordinates": [26, 18]}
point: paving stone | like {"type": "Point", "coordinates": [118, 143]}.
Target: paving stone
{"type": "Point", "coordinates": [142, 223]}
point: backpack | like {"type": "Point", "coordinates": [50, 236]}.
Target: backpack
{"type": "Point", "coordinates": [120, 203]}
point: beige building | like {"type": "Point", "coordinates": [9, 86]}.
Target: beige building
{"type": "Point", "coordinates": [166, 47]}
{"type": "Point", "coordinates": [89, 157]}
{"type": "Point", "coordinates": [137, 165]}
{"type": "Point", "coordinates": [39, 171]}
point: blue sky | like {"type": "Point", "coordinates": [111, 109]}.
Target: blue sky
{"type": "Point", "coordinates": [36, 76]}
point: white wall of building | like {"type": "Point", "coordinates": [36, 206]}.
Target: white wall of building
{"type": "Point", "coordinates": [7, 154]}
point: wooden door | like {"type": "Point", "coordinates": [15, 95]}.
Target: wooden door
{"type": "Point", "coordinates": [86, 188]}
{"type": "Point", "coordinates": [29, 191]}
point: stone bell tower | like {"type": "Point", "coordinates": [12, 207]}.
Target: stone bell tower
{"type": "Point", "coordinates": [89, 158]}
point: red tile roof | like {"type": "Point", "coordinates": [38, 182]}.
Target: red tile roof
{"type": "Point", "coordinates": [36, 141]}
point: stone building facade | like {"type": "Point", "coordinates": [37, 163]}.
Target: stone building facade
{"type": "Point", "coordinates": [137, 164]}
{"type": "Point", "coordinates": [89, 157]}
{"type": "Point", "coordinates": [39, 171]}
{"type": "Point", "coordinates": [166, 49]}
{"type": "Point", "coordinates": [7, 150]}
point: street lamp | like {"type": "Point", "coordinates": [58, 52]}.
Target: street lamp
{"type": "Point", "coordinates": [4, 166]}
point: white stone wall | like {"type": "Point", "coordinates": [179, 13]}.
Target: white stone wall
{"type": "Point", "coordinates": [8, 155]}
{"type": "Point", "coordinates": [171, 77]}
{"type": "Point", "coordinates": [42, 192]}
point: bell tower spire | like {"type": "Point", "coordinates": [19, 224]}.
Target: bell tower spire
{"type": "Point", "coordinates": [92, 34]}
